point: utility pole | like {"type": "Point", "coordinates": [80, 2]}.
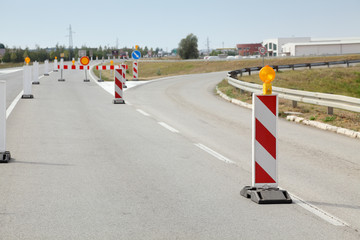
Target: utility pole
{"type": "Point", "coordinates": [70, 41]}
{"type": "Point", "coordinates": [208, 46]}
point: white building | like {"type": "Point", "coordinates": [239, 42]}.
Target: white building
{"type": "Point", "coordinates": [305, 46]}
{"type": "Point", "coordinates": [274, 46]}
{"type": "Point", "coordinates": [329, 47]}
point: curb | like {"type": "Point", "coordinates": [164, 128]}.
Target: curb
{"type": "Point", "coordinates": [323, 126]}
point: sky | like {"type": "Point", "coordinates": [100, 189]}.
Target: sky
{"type": "Point", "coordinates": [163, 23]}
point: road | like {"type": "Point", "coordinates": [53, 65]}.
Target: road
{"type": "Point", "coordinates": [84, 168]}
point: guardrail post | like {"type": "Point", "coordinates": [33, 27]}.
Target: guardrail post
{"type": "Point", "coordinates": [347, 63]}
{"type": "Point", "coordinates": [330, 111]}
{"type": "Point", "coordinates": [4, 155]}
{"type": "Point", "coordinates": [292, 67]}
{"type": "Point", "coordinates": [294, 104]}
{"type": "Point", "coordinates": [309, 65]}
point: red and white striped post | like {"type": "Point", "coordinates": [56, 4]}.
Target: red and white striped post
{"type": "Point", "coordinates": [135, 71]}
{"type": "Point", "coordinates": [118, 87]}
{"type": "Point", "coordinates": [123, 74]}
{"type": "Point", "coordinates": [264, 187]}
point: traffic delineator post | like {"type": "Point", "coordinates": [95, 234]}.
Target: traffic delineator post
{"type": "Point", "coordinates": [55, 65]}
{"type": "Point", "coordinates": [35, 73]}
{"type": "Point", "coordinates": [27, 81]}
{"type": "Point", "coordinates": [5, 156]}
{"type": "Point", "coordinates": [46, 66]}
{"type": "Point", "coordinates": [264, 189]}
{"type": "Point", "coordinates": [85, 61]}
{"type": "Point", "coordinates": [118, 84]}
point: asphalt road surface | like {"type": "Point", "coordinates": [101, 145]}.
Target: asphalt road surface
{"type": "Point", "coordinates": [168, 164]}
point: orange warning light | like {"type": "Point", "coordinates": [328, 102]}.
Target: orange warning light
{"type": "Point", "coordinates": [111, 62]}
{"type": "Point", "coordinates": [27, 60]}
{"type": "Point", "coordinates": [267, 75]}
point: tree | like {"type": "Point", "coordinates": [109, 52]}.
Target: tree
{"type": "Point", "coordinates": [188, 47]}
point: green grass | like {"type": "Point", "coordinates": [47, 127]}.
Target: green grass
{"type": "Point", "coordinates": [341, 81]}
{"type": "Point", "coordinates": [11, 65]}
{"type": "Point", "coordinates": [151, 70]}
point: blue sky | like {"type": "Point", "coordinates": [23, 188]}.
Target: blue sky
{"type": "Point", "coordinates": [163, 23]}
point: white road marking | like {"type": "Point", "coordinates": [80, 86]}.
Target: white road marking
{"type": "Point", "coordinates": [168, 127]}
{"type": "Point", "coordinates": [318, 212]}
{"type": "Point", "coordinates": [143, 112]}
{"type": "Point", "coordinates": [13, 104]}
{"type": "Point", "coordinates": [215, 154]}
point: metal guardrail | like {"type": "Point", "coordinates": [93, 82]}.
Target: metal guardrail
{"type": "Point", "coordinates": [292, 66]}
{"type": "Point", "coordinates": [324, 99]}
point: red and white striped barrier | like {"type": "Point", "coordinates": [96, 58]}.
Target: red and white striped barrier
{"type": "Point", "coordinates": [264, 141]}
{"type": "Point", "coordinates": [73, 67]}
{"type": "Point", "coordinates": [109, 67]}
{"type": "Point", "coordinates": [4, 155]}
{"type": "Point", "coordinates": [135, 70]}
{"type": "Point", "coordinates": [118, 87]}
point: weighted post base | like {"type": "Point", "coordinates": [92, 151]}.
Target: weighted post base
{"type": "Point", "coordinates": [46, 74]}
{"type": "Point", "coordinates": [27, 96]}
{"type": "Point", "coordinates": [86, 80]}
{"type": "Point", "coordinates": [118, 101]}
{"type": "Point", "coordinates": [5, 157]}
{"type": "Point", "coordinates": [266, 195]}
{"type": "Point", "coordinates": [61, 80]}
{"type": "Point", "coordinates": [35, 83]}
{"type": "Point", "coordinates": [100, 80]}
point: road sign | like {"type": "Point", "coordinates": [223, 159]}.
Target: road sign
{"type": "Point", "coordinates": [136, 54]}
{"type": "Point", "coordinates": [84, 60]}
{"type": "Point", "coordinates": [262, 51]}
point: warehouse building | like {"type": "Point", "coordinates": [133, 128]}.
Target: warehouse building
{"type": "Point", "coordinates": [321, 48]}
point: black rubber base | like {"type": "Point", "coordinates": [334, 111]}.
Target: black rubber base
{"type": "Point", "coordinates": [266, 195]}
{"type": "Point", "coordinates": [118, 101]}
{"type": "Point", "coordinates": [46, 74]}
{"type": "Point", "coordinates": [61, 80]}
{"type": "Point", "coordinates": [5, 157]}
{"type": "Point", "coordinates": [86, 80]}
{"type": "Point", "coordinates": [124, 86]}
{"type": "Point", "coordinates": [35, 83]}
{"type": "Point", "coordinates": [27, 96]}
{"type": "Point", "coordinates": [100, 80]}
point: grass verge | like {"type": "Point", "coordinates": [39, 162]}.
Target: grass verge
{"type": "Point", "coordinates": [340, 118]}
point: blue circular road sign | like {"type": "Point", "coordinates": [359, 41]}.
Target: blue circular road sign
{"type": "Point", "coordinates": [136, 54]}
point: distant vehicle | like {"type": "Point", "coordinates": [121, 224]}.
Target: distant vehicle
{"type": "Point", "coordinates": [123, 56]}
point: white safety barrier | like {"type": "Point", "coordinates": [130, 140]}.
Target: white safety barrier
{"type": "Point", "coordinates": [111, 67]}
{"type": "Point", "coordinates": [4, 155]}
{"type": "Point", "coordinates": [61, 67]}
{"type": "Point", "coordinates": [135, 71]}
{"type": "Point", "coordinates": [27, 82]}
{"type": "Point", "coordinates": [118, 87]}
{"type": "Point", "coordinates": [55, 65]}
{"type": "Point", "coordinates": [46, 67]}
{"type": "Point", "coordinates": [35, 73]}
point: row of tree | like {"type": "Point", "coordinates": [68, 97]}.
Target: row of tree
{"type": "Point", "coordinates": [188, 49]}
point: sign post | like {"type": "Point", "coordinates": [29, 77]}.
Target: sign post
{"type": "Point", "coordinates": [136, 55]}
{"type": "Point", "coordinates": [264, 189]}
{"type": "Point", "coordinates": [262, 51]}
{"type": "Point", "coordinates": [85, 61]}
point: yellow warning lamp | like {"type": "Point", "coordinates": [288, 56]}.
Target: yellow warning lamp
{"type": "Point", "coordinates": [73, 62]}
{"type": "Point", "coordinates": [55, 57]}
{"type": "Point", "coordinates": [27, 60]}
{"type": "Point", "coordinates": [267, 75]}
{"type": "Point", "coordinates": [136, 47]}
{"type": "Point", "coordinates": [111, 62]}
